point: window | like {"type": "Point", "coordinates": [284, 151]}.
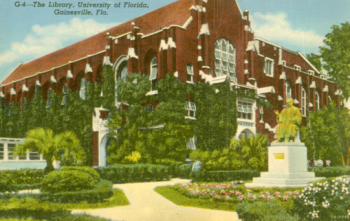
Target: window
{"type": "Point", "coordinates": [10, 149]}
{"type": "Point", "coordinates": [317, 101]}
{"type": "Point", "coordinates": [2, 151]}
{"type": "Point", "coordinates": [122, 71]}
{"type": "Point", "coordinates": [269, 67]}
{"type": "Point", "coordinates": [329, 100]}
{"type": "Point", "coordinates": [154, 73]}
{"type": "Point", "coordinates": [191, 109]}
{"type": "Point", "coordinates": [303, 102]}
{"type": "Point", "coordinates": [149, 108]}
{"type": "Point", "coordinates": [245, 110]}
{"type": "Point", "coordinates": [225, 59]}
{"type": "Point", "coordinates": [82, 88]}
{"type": "Point", "coordinates": [65, 94]}
{"type": "Point", "coordinates": [288, 90]}
{"type": "Point", "coordinates": [261, 109]}
{"type": "Point", "coordinates": [189, 73]}
{"type": "Point", "coordinates": [245, 133]}
{"type": "Point", "coordinates": [191, 144]}
{"type": "Point", "coordinates": [48, 101]}
{"type": "Point", "coordinates": [34, 156]}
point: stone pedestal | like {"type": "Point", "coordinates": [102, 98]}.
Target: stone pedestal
{"type": "Point", "coordinates": [287, 167]}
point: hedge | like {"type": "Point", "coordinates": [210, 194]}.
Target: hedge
{"type": "Point", "coordinates": [330, 171]}
{"type": "Point", "coordinates": [263, 211]}
{"type": "Point", "coordinates": [125, 173]}
{"type": "Point", "coordinates": [103, 191]}
{"type": "Point", "coordinates": [181, 171]}
{"type": "Point", "coordinates": [223, 176]}
{"type": "Point", "coordinates": [88, 170]}
{"type": "Point", "coordinates": [60, 181]}
{"type": "Point", "coordinates": [25, 176]}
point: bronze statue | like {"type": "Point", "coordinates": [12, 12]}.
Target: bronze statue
{"type": "Point", "coordinates": [289, 121]}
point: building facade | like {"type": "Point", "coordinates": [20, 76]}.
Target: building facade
{"type": "Point", "coordinates": [196, 40]}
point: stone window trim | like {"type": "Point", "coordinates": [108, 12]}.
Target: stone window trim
{"type": "Point", "coordinates": [261, 111]}
{"type": "Point", "coordinates": [303, 102]}
{"type": "Point", "coordinates": [190, 73]}
{"type": "Point", "coordinates": [225, 59]}
{"type": "Point", "coordinates": [82, 90]}
{"type": "Point", "coordinates": [65, 94]}
{"type": "Point", "coordinates": [289, 91]}
{"type": "Point", "coordinates": [269, 67]}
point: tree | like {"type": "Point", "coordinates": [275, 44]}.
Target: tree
{"type": "Point", "coordinates": [253, 150]}
{"type": "Point", "coordinates": [336, 56]}
{"type": "Point", "coordinates": [46, 143]}
{"type": "Point", "coordinates": [326, 134]}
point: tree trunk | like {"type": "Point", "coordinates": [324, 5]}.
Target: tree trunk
{"type": "Point", "coordinates": [49, 166]}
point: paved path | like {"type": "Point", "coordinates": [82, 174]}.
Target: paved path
{"type": "Point", "coordinates": [147, 205]}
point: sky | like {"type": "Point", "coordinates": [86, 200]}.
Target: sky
{"type": "Point", "coordinates": [28, 32]}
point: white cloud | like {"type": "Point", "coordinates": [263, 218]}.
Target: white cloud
{"type": "Point", "coordinates": [275, 27]}
{"type": "Point", "coordinates": [46, 39]}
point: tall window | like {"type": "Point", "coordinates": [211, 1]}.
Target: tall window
{"type": "Point", "coordinates": [191, 144]}
{"type": "Point", "coordinates": [2, 151]}
{"type": "Point", "coordinates": [303, 102]}
{"type": "Point", "coordinates": [48, 101]}
{"type": "Point", "coordinates": [189, 73]}
{"type": "Point", "coordinates": [34, 156]}
{"type": "Point", "coordinates": [154, 73]}
{"type": "Point", "coordinates": [10, 149]}
{"type": "Point", "coordinates": [269, 67]}
{"type": "Point", "coordinates": [288, 90]}
{"type": "Point", "coordinates": [82, 88]}
{"type": "Point", "coordinates": [191, 109]}
{"type": "Point", "coordinates": [65, 94]}
{"type": "Point", "coordinates": [245, 110]}
{"type": "Point", "coordinates": [225, 58]}
{"type": "Point", "coordinates": [317, 101]}
{"type": "Point", "coordinates": [122, 71]}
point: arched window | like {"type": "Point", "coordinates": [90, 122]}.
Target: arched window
{"type": "Point", "coordinates": [317, 101]}
{"type": "Point", "coordinates": [245, 133]}
{"type": "Point", "coordinates": [122, 71]}
{"type": "Point", "coordinates": [82, 88]}
{"type": "Point", "coordinates": [303, 102]}
{"type": "Point", "coordinates": [48, 101]}
{"type": "Point", "coordinates": [153, 76]}
{"type": "Point", "coordinates": [65, 94]}
{"type": "Point", "coordinates": [225, 59]}
{"type": "Point", "coordinates": [288, 90]}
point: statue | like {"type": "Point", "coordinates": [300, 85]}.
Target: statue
{"type": "Point", "coordinates": [288, 121]}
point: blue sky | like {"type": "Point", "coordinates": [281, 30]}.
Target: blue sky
{"type": "Point", "coordinates": [28, 32]}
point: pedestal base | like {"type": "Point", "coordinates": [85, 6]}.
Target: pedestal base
{"type": "Point", "coordinates": [287, 167]}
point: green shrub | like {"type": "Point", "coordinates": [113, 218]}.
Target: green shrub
{"type": "Point", "coordinates": [62, 181]}
{"type": "Point", "coordinates": [25, 176]}
{"type": "Point", "coordinates": [264, 211]}
{"type": "Point", "coordinates": [182, 171]}
{"type": "Point", "coordinates": [125, 173]}
{"type": "Point", "coordinates": [222, 176]}
{"type": "Point", "coordinates": [330, 171]}
{"type": "Point", "coordinates": [88, 170]}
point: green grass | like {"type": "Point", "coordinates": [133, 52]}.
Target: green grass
{"type": "Point", "coordinates": [181, 200]}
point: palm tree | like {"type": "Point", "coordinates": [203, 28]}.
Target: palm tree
{"type": "Point", "coordinates": [253, 150]}
{"type": "Point", "coordinates": [51, 146]}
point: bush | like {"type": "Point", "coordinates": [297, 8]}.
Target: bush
{"type": "Point", "coordinates": [88, 170]}
{"type": "Point", "coordinates": [124, 173]}
{"type": "Point", "coordinates": [263, 211]}
{"type": "Point", "coordinates": [330, 171]}
{"type": "Point", "coordinates": [222, 176]}
{"type": "Point", "coordinates": [182, 171]}
{"type": "Point", "coordinates": [62, 181]}
{"type": "Point", "coordinates": [325, 200]}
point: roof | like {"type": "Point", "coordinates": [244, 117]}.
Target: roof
{"type": "Point", "coordinates": [176, 13]}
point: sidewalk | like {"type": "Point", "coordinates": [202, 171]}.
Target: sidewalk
{"type": "Point", "coordinates": [147, 205]}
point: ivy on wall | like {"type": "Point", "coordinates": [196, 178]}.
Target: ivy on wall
{"type": "Point", "coordinates": [75, 115]}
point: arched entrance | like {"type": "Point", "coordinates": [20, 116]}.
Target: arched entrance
{"type": "Point", "coordinates": [247, 133]}
{"type": "Point", "coordinates": [102, 156]}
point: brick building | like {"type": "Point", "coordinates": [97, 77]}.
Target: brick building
{"type": "Point", "coordinates": [197, 40]}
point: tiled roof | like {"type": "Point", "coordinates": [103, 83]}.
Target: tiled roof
{"type": "Point", "coordinates": [176, 13]}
